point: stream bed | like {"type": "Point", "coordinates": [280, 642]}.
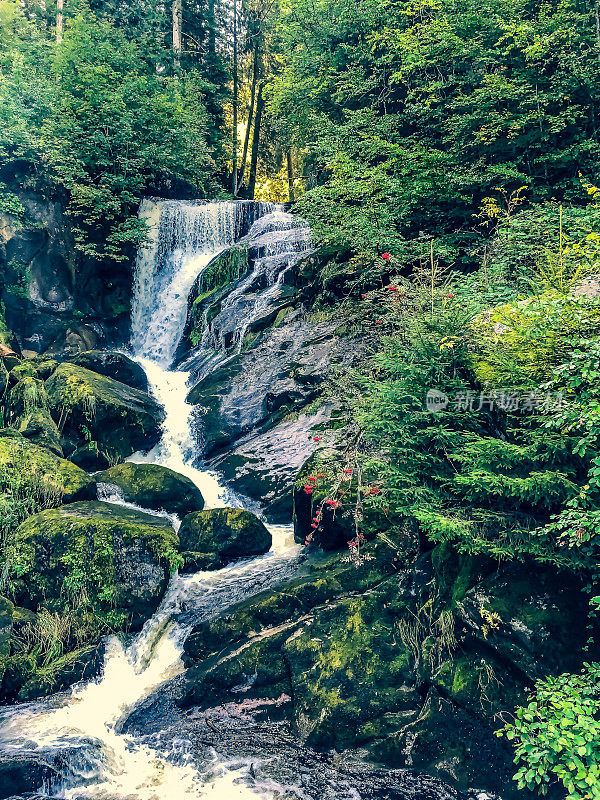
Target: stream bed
{"type": "Point", "coordinates": [123, 735]}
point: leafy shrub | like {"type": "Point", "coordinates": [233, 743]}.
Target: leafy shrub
{"type": "Point", "coordinates": [557, 735]}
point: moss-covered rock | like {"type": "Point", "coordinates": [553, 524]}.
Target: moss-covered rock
{"type": "Point", "coordinates": [153, 486]}
{"type": "Point", "coordinates": [39, 427]}
{"type": "Point", "coordinates": [24, 369]}
{"type": "Point", "coordinates": [90, 457]}
{"type": "Point", "coordinates": [81, 664]}
{"type": "Point", "coordinates": [27, 395]}
{"type": "Point", "coordinates": [93, 407]}
{"type": "Point", "coordinates": [121, 559]}
{"type": "Point", "coordinates": [227, 532]}
{"type": "Point", "coordinates": [6, 624]}
{"type": "Point", "coordinates": [114, 365]}
{"type": "Point", "coordinates": [46, 472]}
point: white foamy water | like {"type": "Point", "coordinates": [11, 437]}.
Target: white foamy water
{"type": "Point", "coordinates": [96, 760]}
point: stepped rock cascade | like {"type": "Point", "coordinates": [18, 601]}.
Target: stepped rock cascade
{"type": "Point", "coordinates": [81, 741]}
{"type": "Point", "coordinates": [183, 239]}
{"type": "Point", "coordinates": [275, 243]}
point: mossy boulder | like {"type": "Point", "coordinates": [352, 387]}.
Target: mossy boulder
{"type": "Point", "coordinates": [39, 427]}
{"type": "Point", "coordinates": [29, 394]}
{"type": "Point", "coordinates": [82, 664]}
{"type": "Point", "coordinates": [93, 407]}
{"type": "Point", "coordinates": [115, 365]}
{"type": "Point", "coordinates": [46, 473]}
{"type": "Point", "coordinates": [90, 457]}
{"type": "Point", "coordinates": [227, 532]}
{"type": "Point", "coordinates": [156, 487]}
{"type": "Point", "coordinates": [6, 624]}
{"type": "Point", "coordinates": [24, 369]}
{"type": "Point", "coordinates": [121, 559]}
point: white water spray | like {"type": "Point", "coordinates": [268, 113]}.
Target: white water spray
{"type": "Point", "coordinates": [98, 761]}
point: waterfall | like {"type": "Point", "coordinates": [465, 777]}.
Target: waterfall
{"type": "Point", "coordinates": [183, 238]}
{"type": "Point", "coordinates": [96, 761]}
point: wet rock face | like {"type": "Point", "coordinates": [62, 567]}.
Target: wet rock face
{"type": "Point", "coordinates": [280, 373]}
{"type": "Point", "coordinates": [263, 466]}
{"type": "Point", "coordinates": [413, 666]}
{"type": "Point", "coordinates": [114, 365]}
{"type": "Point", "coordinates": [153, 486]}
{"type": "Point", "coordinates": [219, 535]}
{"type": "Point", "coordinates": [59, 480]}
{"type": "Point", "coordinates": [25, 773]}
{"type": "Point", "coordinates": [90, 406]}
{"type": "Point", "coordinates": [124, 556]}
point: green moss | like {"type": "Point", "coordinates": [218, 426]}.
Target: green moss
{"type": "Point", "coordinates": [39, 427]}
{"type": "Point", "coordinates": [28, 395]}
{"type": "Point", "coordinates": [90, 550]}
{"type": "Point", "coordinates": [62, 672]}
{"type": "Point", "coordinates": [455, 572]}
{"type": "Point", "coordinates": [228, 532]}
{"type": "Point", "coordinates": [6, 623]}
{"type": "Point", "coordinates": [225, 268]}
{"type": "Point", "coordinates": [89, 406]}
{"type": "Point", "coordinates": [154, 486]}
{"type": "Point", "coordinates": [44, 472]}
{"type": "Point", "coordinates": [25, 369]}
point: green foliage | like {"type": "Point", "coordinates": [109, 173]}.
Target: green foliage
{"type": "Point", "coordinates": [410, 114]}
{"type": "Point", "coordinates": [10, 204]}
{"type": "Point", "coordinates": [556, 735]}
{"type": "Point", "coordinates": [523, 341]}
{"type": "Point", "coordinates": [20, 497]}
{"type": "Point", "coordinates": [97, 111]}
{"type": "Point", "coordinates": [116, 124]}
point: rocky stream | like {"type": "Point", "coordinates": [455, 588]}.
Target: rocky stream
{"type": "Point", "coordinates": [260, 667]}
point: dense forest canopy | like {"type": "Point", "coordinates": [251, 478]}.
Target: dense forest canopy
{"type": "Point", "coordinates": [446, 154]}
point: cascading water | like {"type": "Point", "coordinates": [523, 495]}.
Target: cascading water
{"type": "Point", "coordinates": [81, 735]}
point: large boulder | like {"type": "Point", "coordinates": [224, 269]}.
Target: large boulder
{"type": "Point", "coordinates": [224, 534]}
{"type": "Point", "coordinates": [115, 365]}
{"type": "Point", "coordinates": [90, 457]}
{"type": "Point", "coordinates": [156, 487]}
{"type": "Point", "coordinates": [39, 427]}
{"type": "Point", "coordinates": [279, 371]}
{"type": "Point", "coordinates": [119, 558]}
{"type": "Point", "coordinates": [43, 471]}
{"type": "Point", "coordinates": [27, 395]}
{"type": "Point", "coordinates": [91, 406]}
{"type": "Point", "coordinates": [23, 772]}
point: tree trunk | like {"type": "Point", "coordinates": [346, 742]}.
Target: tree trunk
{"type": "Point", "coordinates": [59, 20]}
{"type": "Point", "coordinates": [255, 71]}
{"type": "Point", "coordinates": [290, 173]}
{"type": "Point", "coordinates": [260, 104]}
{"type": "Point", "coordinates": [235, 101]}
{"type": "Point", "coordinates": [212, 45]}
{"type": "Point", "coordinates": [177, 29]}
